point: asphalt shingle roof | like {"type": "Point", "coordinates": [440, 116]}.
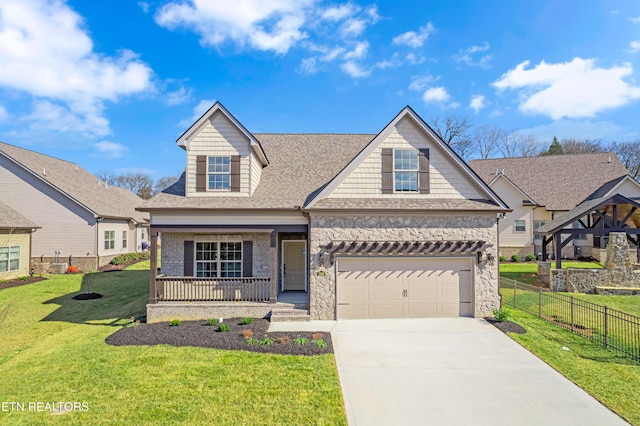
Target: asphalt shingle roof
{"type": "Point", "coordinates": [11, 219]}
{"type": "Point", "coordinates": [558, 182]}
{"type": "Point", "coordinates": [78, 184]}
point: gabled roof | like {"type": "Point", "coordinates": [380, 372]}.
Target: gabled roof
{"type": "Point", "coordinates": [584, 209]}
{"type": "Point", "coordinates": [218, 107]}
{"type": "Point", "coordinates": [611, 186]}
{"type": "Point", "coordinates": [557, 182]}
{"type": "Point", "coordinates": [407, 112]}
{"type": "Point", "coordinates": [77, 184]}
{"type": "Point", "coordinates": [11, 219]}
{"type": "Point", "coordinates": [516, 187]}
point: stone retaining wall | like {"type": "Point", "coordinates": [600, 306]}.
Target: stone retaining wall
{"type": "Point", "coordinates": [166, 311]}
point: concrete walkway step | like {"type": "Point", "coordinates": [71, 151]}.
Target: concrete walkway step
{"type": "Point", "coordinates": [289, 314]}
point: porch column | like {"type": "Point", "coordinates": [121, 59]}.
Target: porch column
{"type": "Point", "coordinates": [153, 268]}
{"type": "Point", "coordinates": [273, 266]}
{"type": "Point", "coordinates": [557, 243]}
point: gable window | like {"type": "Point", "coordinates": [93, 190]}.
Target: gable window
{"type": "Point", "coordinates": [9, 258]}
{"type": "Point", "coordinates": [521, 225]}
{"type": "Point", "coordinates": [578, 225]}
{"type": "Point", "coordinates": [219, 173]}
{"type": "Point", "coordinates": [109, 240]}
{"type": "Point", "coordinates": [124, 239]}
{"type": "Point", "coordinates": [537, 224]}
{"type": "Point", "coordinates": [215, 259]}
{"type": "Point", "coordinates": [405, 170]}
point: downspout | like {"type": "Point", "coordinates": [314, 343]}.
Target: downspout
{"type": "Point", "coordinates": [498, 253]}
{"type": "Point", "coordinates": [98, 220]}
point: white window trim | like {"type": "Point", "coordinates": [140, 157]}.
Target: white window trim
{"type": "Point", "coordinates": [218, 262]}
{"type": "Point", "coordinates": [112, 240]}
{"type": "Point", "coordinates": [9, 259]}
{"type": "Point", "coordinates": [417, 171]}
{"type": "Point", "coordinates": [515, 226]}
{"type": "Point", "coordinates": [218, 173]}
{"type": "Point", "coordinates": [125, 238]}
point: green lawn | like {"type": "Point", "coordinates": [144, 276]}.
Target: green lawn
{"type": "Point", "coordinates": [526, 272]}
{"type": "Point", "coordinates": [52, 349]}
{"type": "Point", "coordinates": [613, 380]}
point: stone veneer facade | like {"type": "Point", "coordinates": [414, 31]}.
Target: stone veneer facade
{"type": "Point", "coordinates": [388, 227]}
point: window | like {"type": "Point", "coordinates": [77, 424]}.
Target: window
{"type": "Point", "coordinates": [124, 239]}
{"type": "Point", "coordinates": [537, 224]}
{"type": "Point", "coordinates": [109, 240]}
{"type": "Point", "coordinates": [521, 225]}
{"type": "Point", "coordinates": [142, 233]}
{"type": "Point", "coordinates": [405, 170]}
{"type": "Point", "coordinates": [578, 225]}
{"type": "Point", "coordinates": [9, 258]}
{"type": "Point", "coordinates": [219, 173]}
{"type": "Point", "coordinates": [218, 259]}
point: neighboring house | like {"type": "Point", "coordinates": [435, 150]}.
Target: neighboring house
{"type": "Point", "coordinates": [83, 221]}
{"type": "Point", "coordinates": [15, 243]}
{"type": "Point", "coordinates": [355, 226]}
{"type": "Point", "coordinates": [539, 189]}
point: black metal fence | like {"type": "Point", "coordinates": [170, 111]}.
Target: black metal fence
{"type": "Point", "coordinates": [613, 329]}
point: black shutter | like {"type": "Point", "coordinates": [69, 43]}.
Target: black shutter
{"type": "Point", "coordinates": [188, 259]}
{"type": "Point", "coordinates": [247, 258]}
{"type": "Point", "coordinates": [235, 173]}
{"type": "Point", "coordinates": [423, 170]}
{"type": "Point", "coordinates": [201, 173]}
{"type": "Point", "coordinates": [387, 170]}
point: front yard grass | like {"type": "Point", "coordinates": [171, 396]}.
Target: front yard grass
{"type": "Point", "coordinates": [613, 380]}
{"type": "Point", "coordinates": [52, 349]}
{"type": "Point", "coordinates": [526, 272]}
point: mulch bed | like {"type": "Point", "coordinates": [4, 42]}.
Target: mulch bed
{"type": "Point", "coordinates": [199, 334]}
{"type": "Point", "coordinates": [506, 326]}
{"type": "Point", "coordinates": [17, 282]}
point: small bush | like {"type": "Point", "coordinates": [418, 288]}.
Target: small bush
{"type": "Point", "coordinates": [212, 321]}
{"type": "Point", "coordinates": [24, 278]}
{"type": "Point", "coordinates": [266, 341]}
{"type": "Point", "coordinates": [252, 341]}
{"type": "Point", "coordinates": [122, 259]}
{"type": "Point", "coordinates": [72, 270]}
{"type": "Point", "coordinates": [300, 341]}
{"type": "Point", "coordinates": [247, 333]}
{"type": "Point", "coordinates": [282, 340]}
{"type": "Point", "coordinates": [247, 321]}
{"type": "Point", "coordinates": [530, 257]}
{"type": "Point", "coordinates": [133, 323]}
{"type": "Point", "coordinates": [224, 327]}
{"type": "Point", "coordinates": [502, 259]}
{"type": "Point", "coordinates": [515, 258]}
{"type": "Point", "coordinates": [175, 323]}
{"type": "Point", "coordinates": [320, 343]}
{"type": "Point", "coordinates": [500, 315]}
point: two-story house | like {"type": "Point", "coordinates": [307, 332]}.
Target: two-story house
{"type": "Point", "coordinates": [339, 225]}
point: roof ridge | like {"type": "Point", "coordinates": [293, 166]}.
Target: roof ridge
{"type": "Point", "coordinates": [315, 134]}
{"type": "Point", "coordinates": [40, 154]}
{"type": "Point", "coordinates": [546, 156]}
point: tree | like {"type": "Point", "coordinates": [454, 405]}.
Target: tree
{"type": "Point", "coordinates": [517, 144]}
{"type": "Point", "coordinates": [163, 183]}
{"type": "Point", "coordinates": [629, 154]}
{"type": "Point", "coordinates": [554, 149]}
{"type": "Point", "coordinates": [454, 131]}
{"type": "Point", "coordinates": [581, 146]}
{"type": "Point", "coordinates": [486, 140]}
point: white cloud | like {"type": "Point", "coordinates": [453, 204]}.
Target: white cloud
{"type": "Point", "coordinates": [394, 62]}
{"type": "Point", "coordinates": [178, 96]}
{"type": "Point", "coordinates": [47, 116]}
{"type": "Point", "coordinates": [332, 54]}
{"type": "Point", "coordinates": [436, 95]}
{"type": "Point", "coordinates": [415, 39]}
{"type": "Point", "coordinates": [4, 114]}
{"type": "Point", "coordinates": [419, 83]}
{"type": "Point", "coordinates": [198, 110]}
{"type": "Point", "coordinates": [412, 59]}
{"type": "Point", "coordinates": [264, 25]}
{"type": "Point", "coordinates": [46, 52]}
{"type": "Point", "coordinates": [634, 46]}
{"type": "Point", "coordinates": [144, 6]}
{"type": "Point", "coordinates": [111, 149]}
{"type": "Point", "coordinates": [569, 89]}
{"type": "Point", "coordinates": [308, 66]}
{"type": "Point", "coordinates": [358, 52]}
{"type": "Point", "coordinates": [338, 13]}
{"type": "Point", "coordinates": [635, 20]}
{"type": "Point", "coordinates": [353, 27]}
{"type": "Point", "coordinates": [576, 129]}
{"type": "Point", "coordinates": [467, 56]}
{"type": "Point", "coordinates": [477, 103]}
{"type": "Point", "coordinates": [354, 70]}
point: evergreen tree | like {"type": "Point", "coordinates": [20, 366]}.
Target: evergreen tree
{"type": "Point", "coordinates": [554, 149]}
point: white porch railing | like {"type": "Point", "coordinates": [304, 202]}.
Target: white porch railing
{"type": "Point", "coordinates": [197, 289]}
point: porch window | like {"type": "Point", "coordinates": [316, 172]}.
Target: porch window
{"type": "Point", "coordinates": [218, 259]}
{"type": "Point", "coordinates": [405, 170]}
{"type": "Point", "coordinates": [578, 225]}
{"type": "Point", "coordinates": [109, 240]}
{"type": "Point", "coordinates": [9, 258]}
{"type": "Point", "coordinates": [219, 173]}
{"type": "Point", "coordinates": [537, 224]}
{"type": "Point", "coordinates": [520, 226]}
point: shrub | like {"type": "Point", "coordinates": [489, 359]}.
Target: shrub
{"type": "Point", "coordinates": [530, 257]}
{"type": "Point", "coordinates": [224, 327]}
{"type": "Point", "coordinates": [122, 259]}
{"type": "Point", "coordinates": [500, 315]}
{"type": "Point", "coordinates": [282, 340]}
{"type": "Point", "coordinates": [212, 321]}
{"type": "Point", "coordinates": [72, 270]}
{"type": "Point", "coordinates": [502, 259]}
{"type": "Point", "coordinates": [175, 323]}
{"type": "Point", "coordinates": [266, 341]}
{"type": "Point", "coordinates": [300, 341]}
{"type": "Point", "coordinates": [252, 341]}
{"type": "Point", "coordinates": [247, 321]}
{"type": "Point", "coordinates": [133, 322]}
{"type": "Point", "coordinates": [247, 333]}
{"type": "Point", "coordinates": [320, 343]}
{"type": "Point", "coordinates": [515, 258]}
{"type": "Point", "coordinates": [24, 278]}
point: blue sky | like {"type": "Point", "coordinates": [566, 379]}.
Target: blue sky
{"type": "Point", "coordinates": [112, 88]}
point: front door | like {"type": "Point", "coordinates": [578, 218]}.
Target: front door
{"type": "Point", "coordinates": [293, 265]}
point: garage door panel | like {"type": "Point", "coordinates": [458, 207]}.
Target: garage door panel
{"type": "Point", "coordinates": [390, 295]}
{"type": "Point", "coordinates": [449, 309]}
{"type": "Point", "coordinates": [388, 310]}
{"type": "Point", "coordinates": [425, 293]}
{"type": "Point", "coordinates": [422, 309]}
{"type": "Point", "coordinates": [354, 311]}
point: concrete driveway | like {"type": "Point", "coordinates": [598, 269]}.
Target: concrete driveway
{"type": "Point", "coordinates": [458, 371]}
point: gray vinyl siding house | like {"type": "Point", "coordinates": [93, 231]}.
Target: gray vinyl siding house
{"type": "Point", "coordinates": [334, 225]}
{"type": "Point", "coordinates": [75, 210]}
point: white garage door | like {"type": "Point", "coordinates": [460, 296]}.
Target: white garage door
{"type": "Point", "coordinates": [404, 287]}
